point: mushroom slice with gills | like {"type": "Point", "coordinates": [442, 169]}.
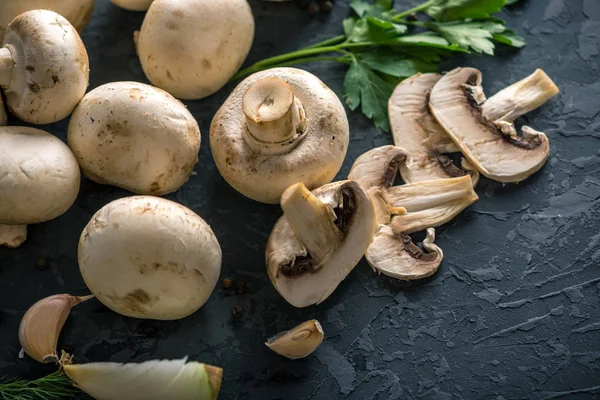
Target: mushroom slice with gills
{"type": "Point", "coordinates": [299, 341]}
{"type": "Point", "coordinates": [520, 98]}
{"type": "Point", "coordinates": [43, 78]}
{"type": "Point", "coordinates": [494, 148]}
{"type": "Point", "coordinates": [320, 238]}
{"type": "Point", "coordinates": [416, 130]}
{"type": "Point", "coordinates": [279, 127]}
{"type": "Point", "coordinates": [404, 209]}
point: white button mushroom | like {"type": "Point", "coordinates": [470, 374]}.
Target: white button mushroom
{"type": "Point", "coordinates": [279, 127]}
{"type": "Point", "coordinates": [133, 5]}
{"type": "Point", "coordinates": [147, 257]}
{"type": "Point", "coordinates": [39, 180]}
{"type": "Point", "coordinates": [43, 77]}
{"type": "Point", "coordinates": [191, 48]}
{"type": "Point", "coordinates": [134, 136]}
{"type": "Point", "coordinates": [77, 12]}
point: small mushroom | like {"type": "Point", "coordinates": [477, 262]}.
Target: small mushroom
{"type": "Point", "coordinates": [191, 48]}
{"type": "Point", "coordinates": [43, 78]}
{"type": "Point", "coordinates": [77, 12]}
{"type": "Point", "coordinates": [520, 98]}
{"type": "Point", "coordinates": [416, 130]}
{"type": "Point", "coordinates": [39, 180]}
{"type": "Point", "coordinates": [405, 209]}
{"type": "Point", "coordinates": [279, 127]}
{"type": "Point", "coordinates": [494, 148]}
{"type": "Point", "coordinates": [133, 5]}
{"type": "Point", "coordinates": [136, 137]}
{"type": "Point", "coordinates": [298, 342]}
{"type": "Point", "coordinates": [319, 240]}
{"type": "Point", "coordinates": [148, 257]}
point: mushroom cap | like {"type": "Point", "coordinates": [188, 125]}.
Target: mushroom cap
{"type": "Point", "coordinates": [39, 176]}
{"type": "Point", "coordinates": [283, 248]}
{"type": "Point", "coordinates": [191, 48]}
{"type": "Point", "coordinates": [147, 257]}
{"type": "Point", "coordinates": [77, 12]}
{"type": "Point", "coordinates": [493, 149]}
{"type": "Point", "coordinates": [12, 236]}
{"type": "Point", "coordinates": [136, 137]}
{"type": "Point", "coordinates": [133, 5]}
{"type": "Point", "coordinates": [416, 130]}
{"type": "Point", "coordinates": [315, 160]}
{"type": "Point", "coordinates": [49, 76]}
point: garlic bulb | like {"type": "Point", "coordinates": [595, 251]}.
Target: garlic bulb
{"type": "Point", "coordinates": [42, 323]}
{"type": "Point", "coordinates": [156, 379]}
{"type": "Point", "coordinates": [298, 342]}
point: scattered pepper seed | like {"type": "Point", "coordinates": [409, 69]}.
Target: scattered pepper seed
{"type": "Point", "coordinates": [327, 6]}
{"type": "Point", "coordinates": [313, 8]}
{"type": "Point", "coordinates": [237, 311]}
{"type": "Point", "coordinates": [240, 287]}
{"type": "Point", "coordinates": [227, 283]}
{"type": "Point", "coordinates": [41, 263]}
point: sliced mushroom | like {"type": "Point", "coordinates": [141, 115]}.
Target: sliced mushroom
{"type": "Point", "coordinates": [279, 127]}
{"type": "Point", "coordinates": [520, 98]}
{"type": "Point", "coordinates": [404, 209]}
{"type": "Point", "coordinates": [298, 342]}
{"type": "Point", "coordinates": [319, 240]}
{"type": "Point", "coordinates": [494, 149]}
{"type": "Point", "coordinates": [417, 131]}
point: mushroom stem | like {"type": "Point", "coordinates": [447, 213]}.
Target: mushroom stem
{"type": "Point", "coordinates": [275, 118]}
{"type": "Point", "coordinates": [6, 66]}
{"type": "Point", "coordinates": [312, 222]}
{"type": "Point", "coordinates": [520, 98]}
{"type": "Point", "coordinates": [12, 235]}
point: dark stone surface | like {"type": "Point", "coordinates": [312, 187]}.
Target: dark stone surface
{"type": "Point", "coordinates": [512, 313]}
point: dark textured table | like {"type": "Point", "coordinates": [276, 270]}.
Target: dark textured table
{"type": "Point", "coordinates": [514, 311]}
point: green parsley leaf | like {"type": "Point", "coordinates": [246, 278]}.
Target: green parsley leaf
{"type": "Point", "coordinates": [452, 10]}
{"type": "Point", "coordinates": [510, 38]}
{"type": "Point", "coordinates": [371, 29]}
{"type": "Point", "coordinates": [511, 2]}
{"type": "Point", "coordinates": [428, 39]}
{"type": "Point", "coordinates": [360, 7]}
{"type": "Point", "coordinates": [472, 35]}
{"type": "Point", "coordinates": [395, 64]}
{"type": "Point", "coordinates": [364, 87]}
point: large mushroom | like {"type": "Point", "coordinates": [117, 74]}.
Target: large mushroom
{"type": "Point", "coordinates": [416, 130]}
{"type": "Point", "coordinates": [43, 78]}
{"type": "Point", "coordinates": [405, 209]}
{"type": "Point", "coordinates": [77, 12]}
{"type": "Point", "coordinates": [279, 127]}
{"type": "Point", "coordinates": [191, 48]}
{"type": "Point", "coordinates": [134, 136]}
{"type": "Point", "coordinates": [491, 146]}
{"type": "Point", "coordinates": [133, 5]}
{"type": "Point", "coordinates": [319, 240]}
{"type": "Point", "coordinates": [39, 180]}
{"type": "Point", "coordinates": [148, 257]}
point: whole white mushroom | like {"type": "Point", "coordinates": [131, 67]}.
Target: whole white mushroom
{"type": "Point", "coordinates": [191, 48]}
{"type": "Point", "coordinates": [44, 67]}
{"type": "Point", "coordinates": [39, 180]}
{"type": "Point", "coordinates": [134, 136]}
{"type": "Point", "coordinates": [77, 12]}
{"type": "Point", "coordinates": [147, 257]}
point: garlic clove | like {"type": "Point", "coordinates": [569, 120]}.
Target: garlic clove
{"type": "Point", "coordinates": [298, 342]}
{"type": "Point", "coordinates": [42, 323]}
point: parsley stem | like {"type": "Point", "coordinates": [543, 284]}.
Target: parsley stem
{"type": "Point", "coordinates": [414, 10]}
{"type": "Point", "coordinates": [334, 40]}
{"type": "Point", "coordinates": [288, 62]}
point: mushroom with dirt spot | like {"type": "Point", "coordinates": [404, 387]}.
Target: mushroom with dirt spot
{"type": "Point", "coordinates": [405, 209]}
{"type": "Point", "coordinates": [133, 5]}
{"type": "Point", "coordinates": [491, 146]}
{"type": "Point", "coordinates": [191, 48]}
{"type": "Point", "coordinates": [319, 240]}
{"type": "Point", "coordinates": [43, 78]}
{"type": "Point", "coordinates": [77, 12]}
{"type": "Point", "coordinates": [279, 127]}
{"type": "Point", "coordinates": [136, 137]}
{"type": "Point", "coordinates": [148, 257]}
{"type": "Point", "coordinates": [39, 180]}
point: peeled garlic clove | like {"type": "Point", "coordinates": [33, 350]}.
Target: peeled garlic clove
{"type": "Point", "coordinates": [156, 379]}
{"type": "Point", "coordinates": [42, 323]}
{"type": "Point", "coordinates": [298, 342]}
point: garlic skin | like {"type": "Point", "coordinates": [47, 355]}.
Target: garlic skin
{"type": "Point", "coordinates": [298, 342]}
{"type": "Point", "coordinates": [42, 323]}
